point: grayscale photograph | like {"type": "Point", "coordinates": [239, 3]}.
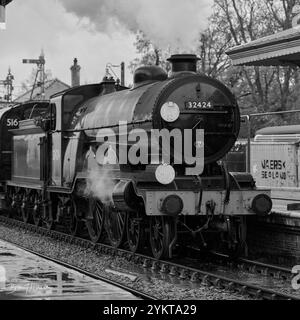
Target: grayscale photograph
{"type": "Point", "coordinates": [149, 155]}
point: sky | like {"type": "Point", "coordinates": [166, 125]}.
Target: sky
{"type": "Point", "coordinates": [33, 25]}
{"type": "Point", "coordinates": [96, 32]}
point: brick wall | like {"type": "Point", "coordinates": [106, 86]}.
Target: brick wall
{"type": "Point", "coordinates": [274, 239]}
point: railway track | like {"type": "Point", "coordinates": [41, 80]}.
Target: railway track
{"type": "Point", "coordinates": [253, 266]}
{"type": "Point", "coordinates": [181, 271]}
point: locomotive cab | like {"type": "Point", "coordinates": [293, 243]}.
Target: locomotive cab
{"type": "Point", "coordinates": [9, 120]}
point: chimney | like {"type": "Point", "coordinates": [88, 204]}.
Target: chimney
{"type": "Point", "coordinates": [123, 74]}
{"type": "Point", "coordinates": [75, 74]}
{"type": "Point", "coordinates": [184, 63]}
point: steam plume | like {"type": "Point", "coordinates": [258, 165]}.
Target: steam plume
{"type": "Point", "coordinates": [100, 185]}
{"type": "Point", "coordinates": [174, 23]}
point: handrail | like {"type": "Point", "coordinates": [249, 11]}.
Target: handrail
{"type": "Point", "coordinates": [103, 127]}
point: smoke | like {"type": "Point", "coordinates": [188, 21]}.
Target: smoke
{"type": "Point", "coordinates": [167, 23]}
{"type": "Point", "coordinates": [100, 185]}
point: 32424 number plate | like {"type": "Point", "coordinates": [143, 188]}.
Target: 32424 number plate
{"type": "Point", "coordinates": [198, 105]}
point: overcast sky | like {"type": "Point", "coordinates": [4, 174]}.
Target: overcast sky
{"type": "Point", "coordinates": [36, 24]}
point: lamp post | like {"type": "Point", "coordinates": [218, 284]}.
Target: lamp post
{"type": "Point", "coordinates": [110, 66]}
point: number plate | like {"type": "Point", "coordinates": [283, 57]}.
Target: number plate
{"type": "Point", "coordinates": [12, 123]}
{"type": "Point", "coordinates": [198, 105]}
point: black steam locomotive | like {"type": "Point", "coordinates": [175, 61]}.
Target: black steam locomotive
{"type": "Point", "coordinates": [57, 168]}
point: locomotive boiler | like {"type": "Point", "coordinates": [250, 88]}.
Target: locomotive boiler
{"type": "Point", "coordinates": [140, 165]}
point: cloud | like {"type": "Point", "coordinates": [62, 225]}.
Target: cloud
{"type": "Point", "coordinates": [94, 31]}
{"type": "Point", "coordinates": [35, 24]}
{"type": "Point", "coordinates": [175, 23]}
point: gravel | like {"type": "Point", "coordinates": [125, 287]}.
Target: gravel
{"type": "Point", "coordinates": [115, 268]}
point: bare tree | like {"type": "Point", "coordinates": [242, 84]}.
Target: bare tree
{"type": "Point", "coordinates": [27, 84]}
{"type": "Point", "coordinates": [233, 23]}
{"type": "Point", "coordinates": [149, 54]}
{"type": "Point", "coordinates": [247, 21]}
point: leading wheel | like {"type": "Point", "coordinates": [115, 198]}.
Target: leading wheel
{"type": "Point", "coordinates": [135, 231]}
{"type": "Point", "coordinates": [95, 226]}
{"type": "Point", "coordinates": [162, 236]}
{"type": "Point", "coordinates": [115, 226]}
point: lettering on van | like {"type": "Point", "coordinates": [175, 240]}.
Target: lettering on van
{"type": "Point", "coordinates": [273, 169]}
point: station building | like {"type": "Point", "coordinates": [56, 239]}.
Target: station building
{"type": "Point", "coordinates": [277, 235]}
{"type": "Point", "coordinates": [51, 87]}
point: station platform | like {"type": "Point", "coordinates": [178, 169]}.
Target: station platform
{"type": "Point", "coordinates": [26, 276]}
{"type": "Point", "coordinates": [280, 210]}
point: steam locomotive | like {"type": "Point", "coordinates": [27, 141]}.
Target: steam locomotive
{"type": "Point", "coordinates": [56, 163]}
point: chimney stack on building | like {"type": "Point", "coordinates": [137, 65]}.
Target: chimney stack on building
{"type": "Point", "coordinates": [75, 74]}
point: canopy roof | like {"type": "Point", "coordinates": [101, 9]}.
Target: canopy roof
{"type": "Point", "coordinates": [280, 130]}
{"type": "Point", "coordinates": [282, 48]}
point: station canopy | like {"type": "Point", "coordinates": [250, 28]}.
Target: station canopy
{"type": "Point", "coordinates": [280, 49]}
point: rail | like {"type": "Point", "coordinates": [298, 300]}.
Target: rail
{"type": "Point", "coordinates": [172, 269]}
